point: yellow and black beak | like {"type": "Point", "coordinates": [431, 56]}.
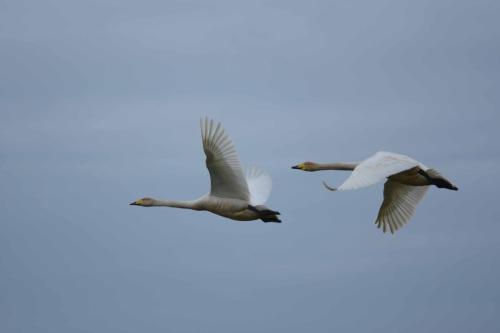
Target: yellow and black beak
{"type": "Point", "coordinates": [134, 204]}
{"type": "Point", "coordinates": [299, 166]}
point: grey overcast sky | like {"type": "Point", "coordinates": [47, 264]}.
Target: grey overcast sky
{"type": "Point", "coordinates": [99, 105]}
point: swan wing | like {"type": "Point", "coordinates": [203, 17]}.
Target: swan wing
{"type": "Point", "coordinates": [376, 168]}
{"type": "Point", "coordinates": [259, 184]}
{"type": "Point", "coordinates": [399, 204]}
{"type": "Point", "coordinates": [227, 179]}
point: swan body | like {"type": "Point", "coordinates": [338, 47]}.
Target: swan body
{"type": "Point", "coordinates": [236, 193]}
{"type": "Point", "coordinates": [407, 182]}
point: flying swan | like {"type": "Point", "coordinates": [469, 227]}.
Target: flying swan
{"type": "Point", "coordinates": [235, 193]}
{"type": "Point", "coordinates": [407, 182]}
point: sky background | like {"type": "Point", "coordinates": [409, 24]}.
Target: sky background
{"type": "Point", "coordinates": [100, 102]}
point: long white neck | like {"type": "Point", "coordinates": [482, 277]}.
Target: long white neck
{"type": "Point", "coordinates": [177, 204]}
{"type": "Point", "coordinates": [335, 166]}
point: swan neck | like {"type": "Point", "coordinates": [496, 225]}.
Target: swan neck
{"type": "Point", "coordinates": [336, 166]}
{"type": "Point", "coordinates": [176, 204]}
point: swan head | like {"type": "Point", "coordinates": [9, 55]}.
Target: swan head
{"type": "Point", "coordinates": [306, 166]}
{"type": "Point", "coordinates": [144, 202]}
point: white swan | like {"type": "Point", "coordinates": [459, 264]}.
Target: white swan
{"type": "Point", "coordinates": [407, 183]}
{"type": "Point", "coordinates": [235, 193]}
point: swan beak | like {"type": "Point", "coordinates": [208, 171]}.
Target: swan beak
{"type": "Point", "coordinates": [298, 167]}
{"type": "Point", "coordinates": [134, 204]}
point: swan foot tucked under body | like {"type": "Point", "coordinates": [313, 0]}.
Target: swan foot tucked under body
{"type": "Point", "coordinates": [265, 214]}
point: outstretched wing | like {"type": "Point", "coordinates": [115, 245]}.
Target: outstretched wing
{"type": "Point", "coordinates": [226, 174]}
{"type": "Point", "coordinates": [376, 168]}
{"type": "Point", "coordinates": [259, 184]}
{"type": "Point", "coordinates": [399, 204]}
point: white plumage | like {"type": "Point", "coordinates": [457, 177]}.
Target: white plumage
{"type": "Point", "coordinates": [259, 184]}
{"type": "Point", "coordinates": [226, 174]}
{"type": "Point", "coordinates": [376, 168]}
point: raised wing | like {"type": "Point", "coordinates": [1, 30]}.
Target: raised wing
{"type": "Point", "coordinates": [259, 184]}
{"type": "Point", "coordinates": [399, 204]}
{"type": "Point", "coordinates": [226, 174]}
{"type": "Point", "coordinates": [376, 168]}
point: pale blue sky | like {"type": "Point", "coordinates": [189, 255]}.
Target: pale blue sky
{"type": "Point", "coordinates": [100, 103]}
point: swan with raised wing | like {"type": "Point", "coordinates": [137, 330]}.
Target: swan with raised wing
{"type": "Point", "coordinates": [235, 192]}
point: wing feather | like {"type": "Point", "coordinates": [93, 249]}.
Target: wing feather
{"type": "Point", "coordinates": [259, 184]}
{"type": "Point", "coordinates": [399, 204]}
{"type": "Point", "coordinates": [227, 179]}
